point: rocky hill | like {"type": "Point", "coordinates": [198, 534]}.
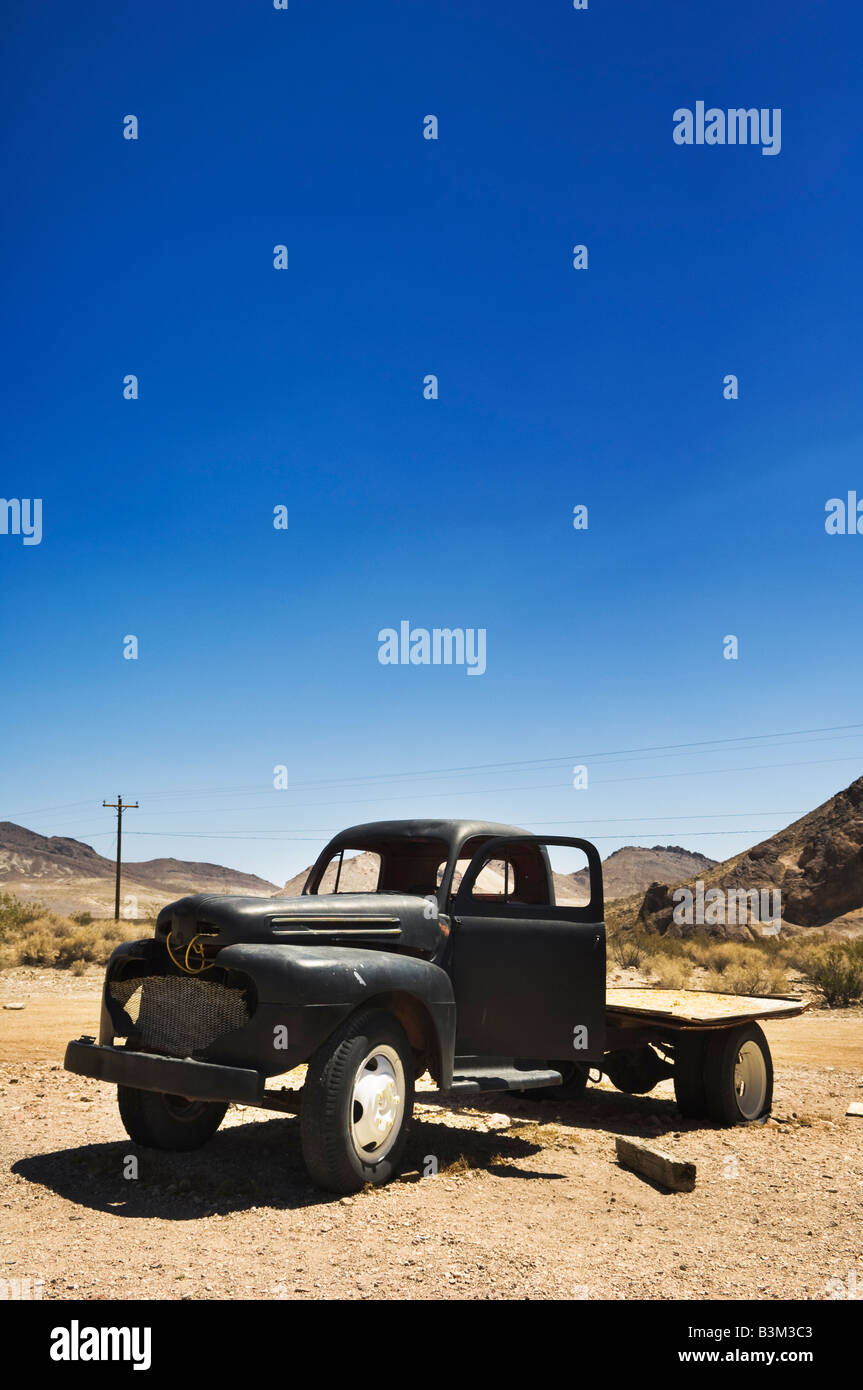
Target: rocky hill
{"type": "Point", "coordinates": [69, 876]}
{"type": "Point", "coordinates": [816, 863]}
{"type": "Point", "coordinates": [632, 869]}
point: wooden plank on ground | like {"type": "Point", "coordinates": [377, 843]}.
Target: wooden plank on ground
{"type": "Point", "coordinates": [675, 1173]}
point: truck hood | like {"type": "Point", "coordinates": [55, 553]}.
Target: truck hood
{"type": "Point", "coordinates": [393, 921]}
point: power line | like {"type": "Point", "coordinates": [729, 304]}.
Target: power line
{"type": "Point", "coordinates": [437, 776]}
{"type": "Point", "coordinates": [706, 745]}
{"type": "Point", "coordinates": [40, 810]}
{"type": "Point", "coordinates": [313, 832]}
{"type": "Point", "coordinates": [672, 749]}
{"type": "Point", "coordinates": [532, 786]}
{"type": "Point", "coordinates": [314, 839]}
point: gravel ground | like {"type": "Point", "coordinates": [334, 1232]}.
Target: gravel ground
{"type": "Point", "coordinates": [528, 1202]}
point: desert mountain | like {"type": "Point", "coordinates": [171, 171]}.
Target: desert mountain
{"type": "Point", "coordinates": [625, 871]}
{"type": "Point", "coordinates": [69, 876]}
{"type": "Point", "coordinates": [359, 875]}
{"type": "Point", "coordinates": [816, 863]}
{"type": "Point", "coordinates": [632, 869]}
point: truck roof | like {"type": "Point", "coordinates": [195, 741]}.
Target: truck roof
{"type": "Point", "coordinates": [453, 832]}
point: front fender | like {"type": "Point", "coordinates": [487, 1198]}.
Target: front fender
{"type": "Point", "coordinates": [310, 990]}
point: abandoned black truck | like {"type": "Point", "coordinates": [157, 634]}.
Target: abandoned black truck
{"type": "Point", "coordinates": [463, 959]}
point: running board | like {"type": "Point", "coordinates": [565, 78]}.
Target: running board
{"type": "Point", "coordinates": [491, 1075]}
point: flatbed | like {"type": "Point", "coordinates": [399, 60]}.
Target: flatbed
{"type": "Point", "coordinates": [695, 1008]}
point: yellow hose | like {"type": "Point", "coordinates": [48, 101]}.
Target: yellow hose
{"type": "Point", "coordinates": [184, 964]}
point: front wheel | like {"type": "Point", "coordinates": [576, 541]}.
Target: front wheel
{"type": "Point", "coordinates": [738, 1076]}
{"type": "Point", "coordinates": [357, 1103]}
{"type": "Point", "coordinates": [161, 1121]}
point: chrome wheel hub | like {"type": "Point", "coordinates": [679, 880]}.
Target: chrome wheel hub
{"type": "Point", "coordinates": [750, 1080]}
{"type": "Point", "coordinates": [377, 1103]}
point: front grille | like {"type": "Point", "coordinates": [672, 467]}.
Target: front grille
{"type": "Point", "coordinates": [180, 1017]}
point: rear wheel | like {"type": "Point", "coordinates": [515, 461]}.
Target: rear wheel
{"type": "Point", "coordinates": [636, 1070]}
{"type": "Point", "coordinates": [738, 1076]}
{"type": "Point", "coordinates": [357, 1103]}
{"type": "Point", "coordinates": [161, 1121]}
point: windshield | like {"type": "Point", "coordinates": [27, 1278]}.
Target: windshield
{"type": "Point", "coordinates": [397, 866]}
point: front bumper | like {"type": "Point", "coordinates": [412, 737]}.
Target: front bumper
{"type": "Point", "coordinates": [175, 1076]}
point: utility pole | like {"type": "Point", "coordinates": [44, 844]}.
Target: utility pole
{"type": "Point", "coordinates": [119, 807]}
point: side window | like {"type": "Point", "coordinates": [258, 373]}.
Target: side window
{"type": "Point", "coordinates": [535, 873]}
{"type": "Point", "coordinates": [520, 877]}
{"type": "Point", "coordinates": [496, 878]}
{"type": "Point", "coordinates": [570, 874]}
{"type": "Point", "coordinates": [352, 871]}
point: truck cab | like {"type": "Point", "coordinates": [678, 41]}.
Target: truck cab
{"type": "Point", "coordinates": [527, 973]}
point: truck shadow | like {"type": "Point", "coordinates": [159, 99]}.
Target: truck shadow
{"type": "Point", "coordinates": [611, 1111]}
{"type": "Point", "coordinates": [260, 1163]}
{"type": "Point", "coordinates": [239, 1168]}
{"type": "Point", "coordinates": [245, 1166]}
{"type": "Point", "coordinates": [447, 1150]}
{"type": "Point", "coordinates": [536, 1127]}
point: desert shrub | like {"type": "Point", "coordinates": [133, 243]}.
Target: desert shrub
{"type": "Point", "coordinates": [78, 967]}
{"type": "Point", "coordinates": [15, 914]}
{"type": "Point", "coordinates": [694, 949]}
{"type": "Point", "coordinates": [854, 950]}
{"type": "Point", "coordinates": [715, 981]}
{"type": "Point", "coordinates": [804, 958]}
{"type": "Point", "coordinates": [74, 946]}
{"type": "Point", "coordinates": [37, 943]}
{"type": "Point", "coordinates": [773, 947]}
{"type": "Point", "coordinates": [669, 972]}
{"type": "Point", "coordinates": [718, 954]}
{"type": "Point", "coordinates": [49, 939]}
{"type": "Point", "coordinates": [90, 944]}
{"type": "Point", "coordinates": [627, 948]}
{"type": "Point", "coordinates": [750, 976]}
{"type": "Point", "coordinates": [837, 973]}
{"type": "Point", "coordinates": [775, 980]}
{"type": "Point", "coordinates": [799, 952]}
{"type": "Point", "coordinates": [84, 919]}
{"type": "Point", "coordinates": [710, 952]}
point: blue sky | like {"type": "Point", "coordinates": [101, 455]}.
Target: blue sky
{"type": "Point", "coordinates": [304, 387]}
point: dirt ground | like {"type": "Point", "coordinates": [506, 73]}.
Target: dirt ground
{"type": "Point", "coordinates": [528, 1202]}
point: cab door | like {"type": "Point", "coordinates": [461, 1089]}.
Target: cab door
{"type": "Point", "coordinates": [528, 975]}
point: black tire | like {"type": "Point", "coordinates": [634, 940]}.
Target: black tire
{"type": "Point", "coordinates": [636, 1070]}
{"type": "Point", "coordinates": [738, 1076]}
{"type": "Point", "coordinates": [690, 1058]}
{"type": "Point", "coordinates": [572, 1088]}
{"type": "Point", "coordinates": [160, 1121]}
{"type": "Point", "coordinates": [333, 1151]}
